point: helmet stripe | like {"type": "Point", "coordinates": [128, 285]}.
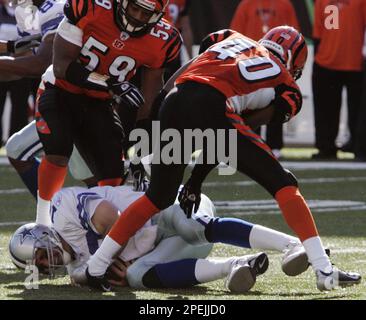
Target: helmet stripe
{"type": "Point", "coordinates": [298, 50]}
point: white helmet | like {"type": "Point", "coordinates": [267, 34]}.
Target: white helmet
{"type": "Point", "coordinates": [28, 239]}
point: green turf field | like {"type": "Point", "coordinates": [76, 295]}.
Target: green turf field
{"type": "Point", "coordinates": [338, 199]}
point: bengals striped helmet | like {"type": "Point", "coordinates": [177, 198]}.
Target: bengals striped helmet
{"type": "Point", "coordinates": [150, 10]}
{"type": "Point", "coordinates": [289, 46]}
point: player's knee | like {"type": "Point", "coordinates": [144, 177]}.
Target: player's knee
{"type": "Point", "coordinates": [161, 200]}
{"type": "Point", "coordinates": [135, 278]}
{"type": "Point", "coordinates": [292, 181]}
{"type": "Point", "coordinates": [14, 146]}
{"type": "Point", "coordinates": [287, 179]}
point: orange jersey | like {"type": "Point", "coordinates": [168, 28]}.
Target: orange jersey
{"type": "Point", "coordinates": [108, 51]}
{"type": "Point", "coordinates": [176, 9]}
{"type": "Point", "coordinates": [340, 46]}
{"type": "Point", "coordinates": [247, 74]}
{"type": "Point", "coordinates": [255, 18]}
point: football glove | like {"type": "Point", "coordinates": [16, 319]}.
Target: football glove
{"type": "Point", "coordinates": [24, 44]}
{"type": "Point", "coordinates": [190, 198]}
{"type": "Point", "coordinates": [126, 93]}
{"type": "Point", "coordinates": [140, 181]}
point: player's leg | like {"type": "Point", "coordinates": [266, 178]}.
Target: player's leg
{"type": "Point", "coordinates": [327, 95]}
{"type": "Point", "coordinates": [21, 149]}
{"type": "Point", "coordinates": [54, 126]}
{"type": "Point", "coordinates": [204, 228]}
{"type": "Point", "coordinates": [104, 154]}
{"type": "Point", "coordinates": [168, 250]}
{"type": "Point", "coordinates": [262, 167]}
{"type": "Point", "coordinates": [174, 263]}
{"type": "Point", "coordinates": [80, 170]}
{"type": "Point", "coordinates": [165, 181]}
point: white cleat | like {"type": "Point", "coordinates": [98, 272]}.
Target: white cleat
{"type": "Point", "coordinates": [244, 271]}
{"type": "Point", "coordinates": [336, 278]}
{"type": "Point", "coordinates": [295, 260]}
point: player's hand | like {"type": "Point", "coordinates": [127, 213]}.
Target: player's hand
{"type": "Point", "coordinates": [190, 197]}
{"type": "Point", "coordinates": [138, 173]}
{"type": "Point", "coordinates": [24, 44]}
{"type": "Point", "coordinates": [117, 272]}
{"type": "Point", "coordinates": [126, 93]}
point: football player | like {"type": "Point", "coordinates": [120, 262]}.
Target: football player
{"type": "Point", "coordinates": [98, 47]}
{"type": "Point", "coordinates": [37, 23]}
{"type": "Point", "coordinates": [170, 249]}
{"type": "Point", "coordinates": [233, 77]}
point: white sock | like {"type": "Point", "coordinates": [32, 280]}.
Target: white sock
{"type": "Point", "coordinates": [267, 239]}
{"type": "Point", "coordinates": [103, 257]}
{"type": "Point", "coordinates": [43, 211]}
{"type": "Point", "coordinates": [210, 269]}
{"type": "Point", "coordinates": [317, 256]}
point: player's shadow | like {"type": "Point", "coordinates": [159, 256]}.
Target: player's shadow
{"type": "Point", "coordinates": [67, 292]}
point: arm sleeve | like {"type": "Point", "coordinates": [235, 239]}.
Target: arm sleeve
{"type": "Point", "coordinates": [75, 10]}
{"type": "Point", "coordinates": [70, 32]}
{"type": "Point", "coordinates": [287, 104]}
{"type": "Point", "coordinates": [172, 47]}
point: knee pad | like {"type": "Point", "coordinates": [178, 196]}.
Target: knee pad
{"type": "Point", "coordinates": [24, 144]}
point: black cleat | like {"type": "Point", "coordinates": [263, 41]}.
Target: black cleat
{"type": "Point", "coordinates": [98, 282]}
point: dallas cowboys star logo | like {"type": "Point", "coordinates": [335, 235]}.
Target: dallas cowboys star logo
{"type": "Point", "coordinates": [27, 232]}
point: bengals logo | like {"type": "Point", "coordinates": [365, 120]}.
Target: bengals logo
{"type": "Point", "coordinates": [118, 44]}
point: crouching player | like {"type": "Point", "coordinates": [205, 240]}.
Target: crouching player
{"type": "Point", "coordinates": [169, 251]}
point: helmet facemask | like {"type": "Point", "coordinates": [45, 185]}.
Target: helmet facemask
{"type": "Point", "coordinates": [49, 246]}
{"type": "Point", "coordinates": [128, 23]}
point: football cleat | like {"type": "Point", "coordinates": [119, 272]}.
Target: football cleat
{"type": "Point", "coordinates": [98, 282]}
{"type": "Point", "coordinates": [244, 271]}
{"type": "Point", "coordinates": [295, 260]}
{"type": "Point", "coordinates": [336, 278]}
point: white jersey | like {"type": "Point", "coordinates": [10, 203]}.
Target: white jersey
{"type": "Point", "coordinates": [73, 208]}
{"type": "Point", "coordinates": [44, 20]}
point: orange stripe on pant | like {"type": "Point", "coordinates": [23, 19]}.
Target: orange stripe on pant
{"type": "Point", "coordinates": [239, 124]}
{"type": "Point", "coordinates": [296, 212]}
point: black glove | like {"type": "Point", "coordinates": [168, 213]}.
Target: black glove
{"type": "Point", "coordinates": [24, 44]}
{"type": "Point", "coordinates": [126, 93]}
{"type": "Point", "coordinates": [138, 173]}
{"type": "Point", "coordinates": [190, 197]}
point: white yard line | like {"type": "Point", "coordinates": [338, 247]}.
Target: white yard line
{"type": "Point", "coordinates": [13, 223]}
{"type": "Point", "coordinates": [305, 180]}
{"type": "Point", "coordinates": [253, 207]}
{"type": "Point", "coordinates": [14, 191]}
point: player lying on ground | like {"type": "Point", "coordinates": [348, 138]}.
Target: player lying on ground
{"type": "Point", "coordinates": [171, 250]}
{"type": "Point", "coordinates": [234, 78]}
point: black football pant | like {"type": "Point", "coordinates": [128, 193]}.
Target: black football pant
{"type": "Point", "coordinates": [88, 123]}
{"type": "Point", "coordinates": [327, 94]}
{"type": "Point", "coordinates": [196, 105]}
